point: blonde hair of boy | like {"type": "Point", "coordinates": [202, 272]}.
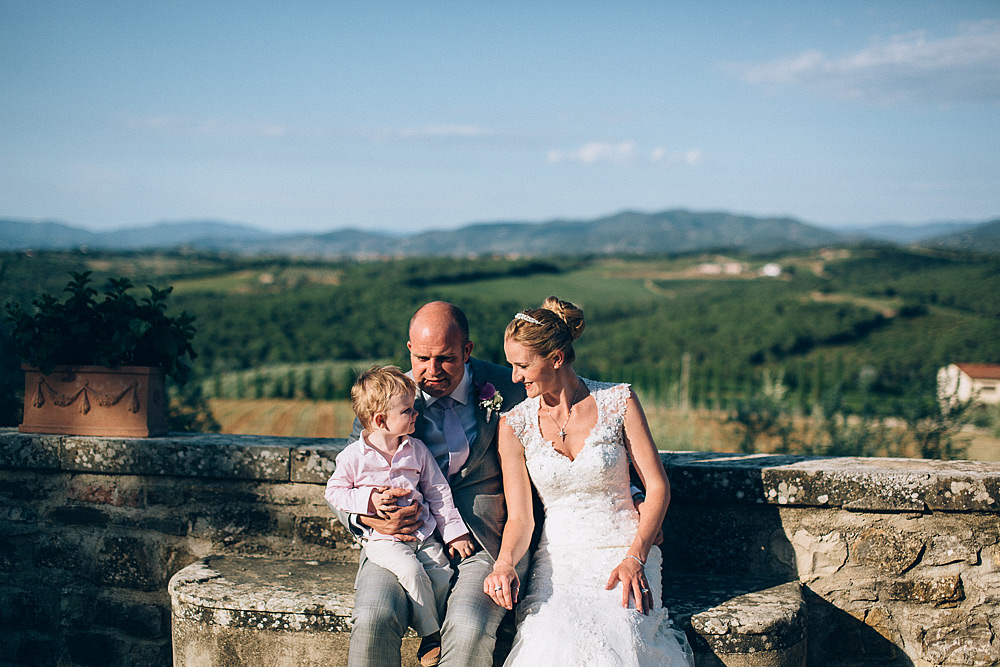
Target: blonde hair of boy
{"type": "Point", "coordinates": [375, 389]}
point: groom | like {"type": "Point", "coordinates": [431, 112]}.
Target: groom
{"type": "Point", "coordinates": [452, 384]}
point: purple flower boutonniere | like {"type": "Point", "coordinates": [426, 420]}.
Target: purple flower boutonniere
{"type": "Point", "coordinates": [489, 398]}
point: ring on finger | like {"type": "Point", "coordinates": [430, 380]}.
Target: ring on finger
{"type": "Point", "coordinates": [497, 589]}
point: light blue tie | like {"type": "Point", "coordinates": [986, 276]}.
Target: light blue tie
{"type": "Point", "coordinates": [454, 435]}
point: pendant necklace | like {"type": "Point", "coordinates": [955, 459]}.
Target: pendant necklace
{"type": "Point", "coordinates": [569, 413]}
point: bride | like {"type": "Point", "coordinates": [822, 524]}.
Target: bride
{"type": "Point", "coordinates": [593, 597]}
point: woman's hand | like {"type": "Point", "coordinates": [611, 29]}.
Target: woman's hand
{"type": "Point", "coordinates": [631, 573]}
{"type": "Point", "coordinates": [502, 585]}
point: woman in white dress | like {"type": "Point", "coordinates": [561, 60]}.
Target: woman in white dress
{"type": "Point", "coordinates": [593, 597]}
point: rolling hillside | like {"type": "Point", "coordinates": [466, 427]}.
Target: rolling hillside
{"type": "Point", "coordinates": [629, 232]}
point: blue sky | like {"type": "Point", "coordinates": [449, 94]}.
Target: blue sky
{"type": "Point", "coordinates": [412, 115]}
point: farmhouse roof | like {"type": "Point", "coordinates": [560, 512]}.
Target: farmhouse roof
{"type": "Point", "coordinates": [981, 371]}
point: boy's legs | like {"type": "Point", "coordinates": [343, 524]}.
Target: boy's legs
{"type": "Point", "coordinates": [432, 555]}
{"type": "Point", "coordinates": [401, 559]}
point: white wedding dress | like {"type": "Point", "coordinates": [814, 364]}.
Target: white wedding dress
{"type": "Point", "coordinates": [566, 616]}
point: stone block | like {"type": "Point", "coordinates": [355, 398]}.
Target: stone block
{"type": "Point", "coordinates": [35, 610]}
{"type": "Point", "coordinates": [23, 487]}
{"type": "Point", "coordinates": [712, 478]}
{"type": "Point", "coordinates": [77, 605]}
{"type": "Point", "coordinates": [982, 587]}
{"type": "Point", "coordinates": [79, 516]}
{"type": "Point", "coordinates": [230, 523]}
{"type": "Point", "coordinates": [315, 463]}
{"type": "Point", "coordinates": [854, 483]}
{"type": "Point", "coordinates": [128, 562]}
{"type": "Point", "coordinates": [965, 641]}
{"type": "Point", "coordinates": [33, 452]}
{"type": "Point", "coordinates": [887, 549]}
{"type": "Point", "coordinates": [818, 556]}
{"type": "Point", "coordinates": [136, 619]}
{"type": "Point", "coordinates": [175, 526]}
{"type": "Point", "coordinates": [947, 549]}
{"type": "Point", "coordinates": [738, 623]}
{"type": "Point", "coordinates": [14, 514]}
{"type": "Point", "coordinates": [714, 540]}
{"type": "Point", "coordinates": [104, 490]}
{"type": "Point", "coordinates": [322, 531]}
{"type": "Point", "coordinates": [182, 455]}
{"type": "Point", "coordinates": [149, 653]}
{"type": "Point", "coordinates": [940, 591]}
{"type": "Point", "coordinates": [249, 611]}
{"type": "Point", "coordinates": [64, 552]}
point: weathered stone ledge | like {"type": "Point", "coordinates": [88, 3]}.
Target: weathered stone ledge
{"type": "Point", "coordinates": [238, 457]}
{"type": "Point", "coordinates": [866, 484]}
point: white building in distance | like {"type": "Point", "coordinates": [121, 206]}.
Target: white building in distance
{"type": "Point", "coordinates": [961, 382]}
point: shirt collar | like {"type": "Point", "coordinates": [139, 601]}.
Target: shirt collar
{"type": "Point", "coordinates": [461, 393]}
{"type": "Point", "coordinates": [403, 442]}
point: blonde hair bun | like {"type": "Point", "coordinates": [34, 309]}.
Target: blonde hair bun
{"type": "Point", "coordinates": [568, 312]}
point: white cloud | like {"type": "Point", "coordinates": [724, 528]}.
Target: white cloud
{"type": "Point", "coordinates": [595, 152]}
{"type": "Point", "coordinates": [624, 153]}
{"type": "Point", "coordinates": [909, 67]}
{"type": "Point", "coordinates": [661, 155]}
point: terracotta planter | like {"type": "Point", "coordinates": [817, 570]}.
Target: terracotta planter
{"type": "Point", "coordinates": [128, 401]}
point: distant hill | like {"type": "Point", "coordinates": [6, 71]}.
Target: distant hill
{"type": "Point", "coordinates": [906, 234]}
{"type": "Point", "coordinates": [206, 234]}
{"type": "Point", "coordinates": [628, 232]}
{"type": "Point", "coordinates": [979, 238]}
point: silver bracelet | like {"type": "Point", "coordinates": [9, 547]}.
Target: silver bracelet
{"type": "Point", "coordinates": [635, 558]}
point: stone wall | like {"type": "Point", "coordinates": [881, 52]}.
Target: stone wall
{"type": "Point", "coordinates": [900, 559]}
{"type": "Point", "coordinates": [92, 529]}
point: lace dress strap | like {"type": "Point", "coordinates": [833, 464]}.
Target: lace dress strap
{"type": "Point", "coordinates": [518, 418]}
{"type": "Point", "coordinates": [611, 398]}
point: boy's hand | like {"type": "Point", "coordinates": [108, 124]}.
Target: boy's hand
{"type": "Point", "coordinates": [399, 521]}
{"type": "Point", "coordinates": [461, 546]}
{"type": "Point", "coordinates": [383, 500]}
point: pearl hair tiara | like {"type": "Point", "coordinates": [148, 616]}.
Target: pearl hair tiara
{"type": "Point", "coordinates": [527, 318]}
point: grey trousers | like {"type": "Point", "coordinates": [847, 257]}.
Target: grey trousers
{"type": "Point", "coordinates": [382, 614]}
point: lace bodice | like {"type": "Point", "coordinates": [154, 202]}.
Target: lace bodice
{"type": "Point", "coordinates": [588, 495]}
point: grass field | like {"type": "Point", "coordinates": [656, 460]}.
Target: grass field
{"type": "Point", "coordinates": [283, 417]}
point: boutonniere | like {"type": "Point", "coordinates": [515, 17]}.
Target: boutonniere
{"type": "Point", "coordinates": [489, 398]}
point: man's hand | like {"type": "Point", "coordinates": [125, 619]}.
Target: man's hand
{"type": "Point", "coordinates": [399, 522]}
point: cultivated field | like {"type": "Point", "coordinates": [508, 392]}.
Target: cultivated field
{"type": "Point", "coordinates": [673, 429]}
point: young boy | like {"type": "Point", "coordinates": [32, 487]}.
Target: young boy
{"type": "Point", "coordinates": [387, 458]}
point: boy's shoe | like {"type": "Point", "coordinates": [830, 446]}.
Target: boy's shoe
{"type": "Point", "coordinates": [429, 652]}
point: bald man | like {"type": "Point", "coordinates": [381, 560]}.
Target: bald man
{"type": "Point", "coordinates": [451, 384]}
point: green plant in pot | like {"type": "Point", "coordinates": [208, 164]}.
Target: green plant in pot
{"type": "Point", "coordinates": [89, 362]}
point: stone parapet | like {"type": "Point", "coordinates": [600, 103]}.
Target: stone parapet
{"type": "Point", "coordinates": [876, 484]}
{"type": "Point", "coordinates": [898, 560]}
